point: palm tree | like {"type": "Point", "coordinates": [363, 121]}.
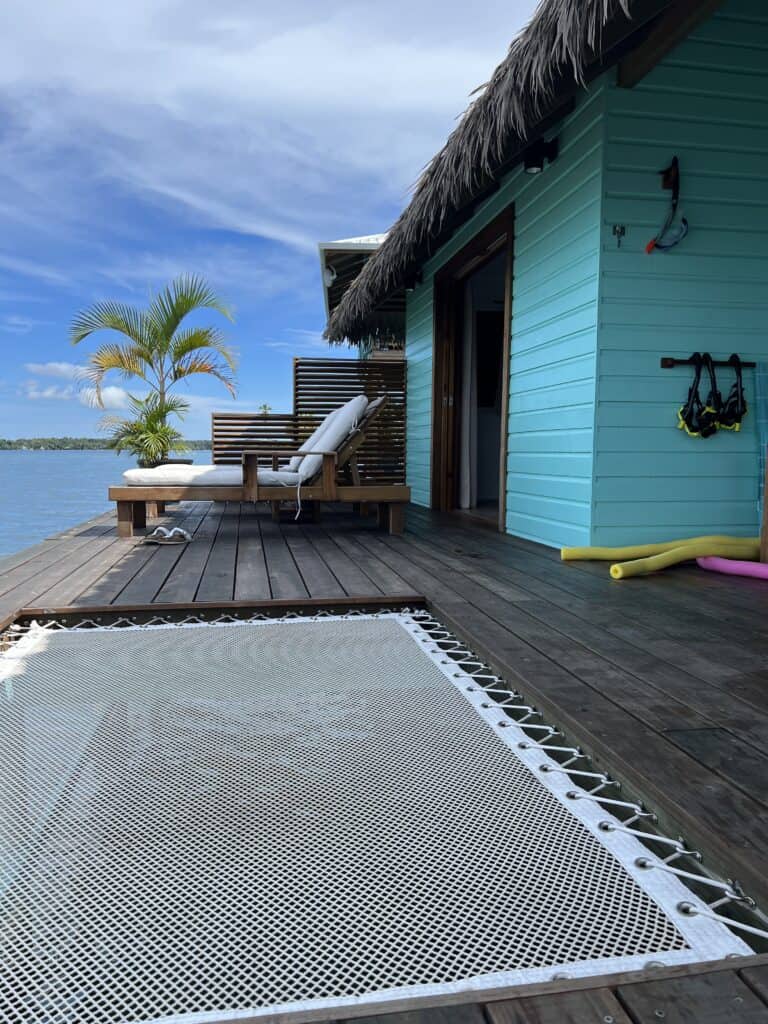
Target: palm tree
{"type": "Point", "coordinates": [158, 349]}
{"type": "Point", "coordinates": [148, 434]}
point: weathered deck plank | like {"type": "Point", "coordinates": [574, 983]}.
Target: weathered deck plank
{"type": "Point", "coordinates": [284, 576]}
{"type": "Point", "coordinates": [251, 576]}
{"type": "Point", "coordinates": [112, 585]}
{"type": "Point", "coordinates": [718, 998]}
{"type": "Point", "coordinates": [560, 1008]}
{"type": "Point", "coordinates": [217, 582]}
{"type": "Point", "coordinates": [182, 585]}
{"type": "Point", "coordinates": [347, 571]}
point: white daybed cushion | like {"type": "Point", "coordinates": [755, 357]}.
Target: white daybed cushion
{"type": "Point", "coordinates": [311, 441]}
{"type": "Point", "coordinates": [334, 435]}
{"type": "Point", "coordinates": [205, 476]}
{"type": "Point", "coordinates": [185, 476]}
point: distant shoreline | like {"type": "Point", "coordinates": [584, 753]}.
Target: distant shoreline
{"type": "Point", "coordinates": [72, 444]}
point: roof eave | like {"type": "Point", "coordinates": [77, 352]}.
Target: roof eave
{"type": "Point", "coordinates": [622, 30]}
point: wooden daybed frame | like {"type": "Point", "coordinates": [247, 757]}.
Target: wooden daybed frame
{"type": "Point", "coordinates": [136, 504]}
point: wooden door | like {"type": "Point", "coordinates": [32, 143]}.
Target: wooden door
{"type": "Point", "coordinates": [446, 379]}
{"type": "Point", "coordinates": [447, 350]}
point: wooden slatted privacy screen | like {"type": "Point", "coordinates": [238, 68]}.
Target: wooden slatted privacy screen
{"type": "Point", "coordinates": [236, 432]}
{"type": "Point", "coordinates": [319, 386]}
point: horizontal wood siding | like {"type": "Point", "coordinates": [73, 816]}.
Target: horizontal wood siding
{"type": "Point", "coordinates": [707, 102]}
{"type": "Point", "coordinates": [554, 336]}
{"type": "Point", "coordinates": [418, 354]}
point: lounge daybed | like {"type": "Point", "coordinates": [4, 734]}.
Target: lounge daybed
{"type": "Point", "coordinates": [312, 474]}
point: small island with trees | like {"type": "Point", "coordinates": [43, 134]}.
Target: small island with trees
{"type": "Point", "coordinates": [69, 444]}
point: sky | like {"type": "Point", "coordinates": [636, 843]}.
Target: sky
{"type": "Point", "coordinates": [140, 139]}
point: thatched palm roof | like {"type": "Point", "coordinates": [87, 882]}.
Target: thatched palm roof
{"type": "Point", "coordinates": [546, 64]}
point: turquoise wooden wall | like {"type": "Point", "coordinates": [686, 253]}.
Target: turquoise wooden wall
{"type": "Point", "coordinates": [554, 335]}
{"type": "Point", "coordinates": [707, 102]}
{"type": "Point", "coordinates": [554, 317]}
{"type": "Point", "coordinates": [418, 406]}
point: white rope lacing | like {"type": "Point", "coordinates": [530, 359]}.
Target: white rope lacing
{"type": "Point", "coordinates": [512, 704]}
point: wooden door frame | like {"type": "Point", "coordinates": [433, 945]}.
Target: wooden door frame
{"type": "Point", "coordinates": [447, 327]}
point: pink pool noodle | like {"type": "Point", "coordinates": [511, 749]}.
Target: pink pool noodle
{"type": "Point", "coordinates": [734, 568]}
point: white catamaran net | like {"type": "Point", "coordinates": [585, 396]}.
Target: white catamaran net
{"type": "Point", "coordinates": [222, 820]}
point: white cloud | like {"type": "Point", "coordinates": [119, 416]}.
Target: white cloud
{"type": "Point", "coordinates": [302, 342]}
{"type": "Point", "coordinates": [294, 123]}
{"type": "Point", "coordinates": [47, 392]}
{"type": "Point", "coordinates": [112, 397]}
{"type": "Point", "coordinates": [227, 267]}
{"type": "Point", "coordinates": [68, 371]}
{"type": "Point", "coordinates": [15, 323]}
{"type": "Point", "coordinates": [32, 268]}
{"type": "Point", "coordinates": [196, 423]}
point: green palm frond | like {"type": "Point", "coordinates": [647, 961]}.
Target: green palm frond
{"type": "Point", "coordinates": [197, 339]}
{"type": "Point", "coordinates": [111, 316]}
{"type": "Point", "coordinates": [155, 349]}
{"type": "Point", "coordinates": [147, 434]}
{"type": "Point", "coordinates": [193, 364]}
{"type": "Point", "coordinates": [127, 360]}
{"type": "Point", "coordinates": [182, 296]}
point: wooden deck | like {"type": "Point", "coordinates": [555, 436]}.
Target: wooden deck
{"type": "Point", "coordinates": [663, 680]}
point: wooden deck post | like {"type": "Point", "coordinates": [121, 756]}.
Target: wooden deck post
{"type": "Point", "coordinates": [391, 516]}
{"type": "Point", "coordinates": [396, 518]}
{"type": "Point", "coordinates": [250, 477]}
{"type": "Point", "coordinates": [125, 518]}
{"type": "Point", "coordinates": [131, 515]}
{"type": "Point", "coordinates": [139, 513]}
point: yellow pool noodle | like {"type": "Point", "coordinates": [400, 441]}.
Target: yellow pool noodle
{"type": "Point", "coordinates": [747, 549]}
{"type": "Point", "coordinates": [639, 550]}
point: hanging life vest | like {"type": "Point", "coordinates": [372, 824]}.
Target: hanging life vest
{"type": "Point", "coordinates": [697, 418]}
{"type": "Point", "coordinates": [734, 407]}
{"type": "Point", "coordinates": [688, 414]}
{"type": "Point", "coordinates": [709, 416]}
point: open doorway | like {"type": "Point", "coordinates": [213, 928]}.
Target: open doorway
{"type": "Point", "coordinates": [472, 337]}
{"type": "Point", "coordinates": [479, 416]}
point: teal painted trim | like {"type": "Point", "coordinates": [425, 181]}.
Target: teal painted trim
{"type": "Point", "coordinates": [707, 102]}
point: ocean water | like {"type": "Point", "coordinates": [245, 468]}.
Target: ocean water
{"type": "Point", "coordinates": [45, 492]}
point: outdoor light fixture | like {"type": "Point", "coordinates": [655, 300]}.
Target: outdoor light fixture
{"type": "Point", "coordinates": [329, 276]}
{"type": "Point", "coordinates": [536, 155]}
{"type": "Point", "coordinates": [412, 281]}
